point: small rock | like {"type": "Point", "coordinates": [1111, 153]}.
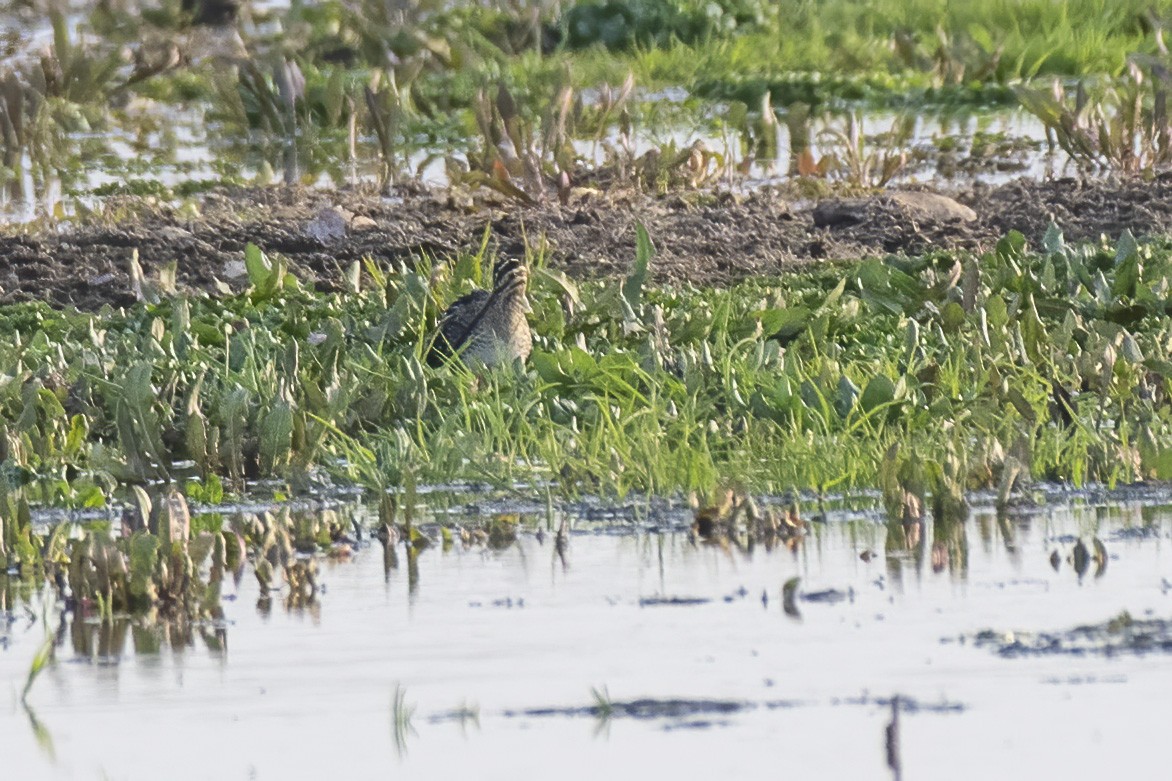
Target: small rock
{"type": "Point", "coordinates": [362, 223]}
{"type": "Point", "coordinates": [173, 233]}
{"type": "Point", "coordinates": [917, 205]}
{"type": "Point", "coordinates": [931, 206]}
{"type": "Point", "coordinates": [328, 225]}
{"type": "Point", "coordinates": [840, 211]}
{"type": "Point", "coordinates": [234, 269]}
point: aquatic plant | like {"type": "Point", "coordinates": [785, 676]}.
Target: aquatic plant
{"type": "Point", "coordinates": [401, 716]}
{"type": "Point", "coordinates": [1120, 126]}
{"type": "Point", "coordinates": [985, 371]}
{"type": "Point", "coordinates": [735, 519]}
{"type": "Point", "coordinates": [850, 156]}
{"type": "Point", "coordinates": [43, 103]}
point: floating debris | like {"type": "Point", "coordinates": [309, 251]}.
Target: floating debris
{"type": "Point", "coordinates": [1117, 636]}
{"type": "Point", "coordinates": [830, 596]}
{"type": "Point", "coordinates": [648, 708]}
{"type": "Point", "coordinates": [672, 601]}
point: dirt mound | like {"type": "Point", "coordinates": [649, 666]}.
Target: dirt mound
{"type": "Point", "coordinates": [702, 238]}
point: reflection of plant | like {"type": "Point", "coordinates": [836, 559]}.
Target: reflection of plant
{"type": "Point", "coordinates": [401, 715]}
{"type": "Point", "coordinates": [1123, 126]}
{"type": "Point", "coordinates": [40, 104]}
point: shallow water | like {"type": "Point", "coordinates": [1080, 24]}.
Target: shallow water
{"type": "Point", "coordinates": [186, 149]}
{"type": "Point", "coordinates": [147, 147]}
{"type": "Point", "coordinates": [731, 685]}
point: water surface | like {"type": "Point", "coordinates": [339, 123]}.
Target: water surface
{"type": "Point", "coordinates": [498, 653]}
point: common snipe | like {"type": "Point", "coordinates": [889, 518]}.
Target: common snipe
{"type": "Point", "coordinates": [488, 327]}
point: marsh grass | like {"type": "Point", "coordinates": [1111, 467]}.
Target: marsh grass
{"type": "Point", "coordinates": [1121, 125]}
{"type": "Point", "coordinates": [402, 715]}
{"type": "Point", "coordinates": [925, 378]}
{"type": "Point", "coordinates": [312, 84]}
{"type": "Point", "coordinates": [347, 90]}
{"type": "Point", "coordinates": [41, 659]}
{"type": "Point", "coordinates": [818, 52]}
{"type": "Point", "coordinates": [980, 372]}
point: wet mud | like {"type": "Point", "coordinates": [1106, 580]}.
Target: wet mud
{"type": "Point", "coordinates": [701, 238]}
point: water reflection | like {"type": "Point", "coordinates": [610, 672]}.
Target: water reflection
{"type": "Point", "coordinates": [455, 655]}
{"type": "Point", "coordinates": [950, 546]}
{"type": "Point", "coordinates": [160, 149]}
{"type": "Point", "coordinates": [402, 713]}
{"type": "Point", "coordinates": [108, 642]}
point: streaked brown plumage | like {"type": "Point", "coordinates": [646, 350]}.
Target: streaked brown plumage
{"type": "Point", "coordinates": [485, 327]}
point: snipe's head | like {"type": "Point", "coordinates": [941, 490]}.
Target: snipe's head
{"type": "Point", "coordinates": [488, 327]}
{"type": "Point", "coordinates": [510, 282]}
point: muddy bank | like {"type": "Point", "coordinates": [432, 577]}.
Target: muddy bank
{"type": "Point", "coordinates": [702, 238]}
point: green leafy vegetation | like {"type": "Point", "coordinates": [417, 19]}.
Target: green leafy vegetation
{"type": "Point", "coordinates": [924, 377]}
{"type": "Point", "coordinates": [1052, 360]}
{"type": "Point", "coordinates": [817, 51]}
{"type": "Point", "coordinates": [648, 23]}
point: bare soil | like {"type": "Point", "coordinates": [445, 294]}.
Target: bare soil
{"type": "Point", "coordinates": [701, 238]}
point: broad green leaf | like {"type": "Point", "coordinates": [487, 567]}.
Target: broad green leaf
{"type": "Point", "coordinates": [848, 394]}
{"type": "Point", "coordinates": [276, 432]}
{"type": "Point", "coordinates": [1012, 246]}
{"type": "Point", "coordinates": [633, 284]}
{"type": "Point", "coordinates": [257, 264]}
{"type": "Point", "coordinates": [559, 281]}
{"type": "Point", "coordinates": [1127, 266]}
{"type": "Point", "coordinates": [880, 390]}
{"type": "Point", "coordinates": [783, 324]}
{"type": "Point", "coordinates": [1052, 240]}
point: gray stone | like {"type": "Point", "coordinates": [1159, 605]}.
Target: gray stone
{"type": "Point", "coordinates": [917, 205]}
{"type": "Point", "coordinates": [329, 225]}
{"type": "Point", "coordinates": [840, 211]}
{"type": "Point", "coordinates": [930, 206]}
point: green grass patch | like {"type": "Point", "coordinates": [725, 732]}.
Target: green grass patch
{"type": "Point", "coordinates": [855, 49]}
{"type": "Point", "coordinates": [1049, 362]}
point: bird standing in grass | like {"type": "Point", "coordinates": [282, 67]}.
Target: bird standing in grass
{"type": "Point", "coordinates": [486, 327]}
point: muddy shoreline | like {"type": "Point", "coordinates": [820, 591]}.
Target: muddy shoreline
{"type": "Point", "coordinates": [703, 238]}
